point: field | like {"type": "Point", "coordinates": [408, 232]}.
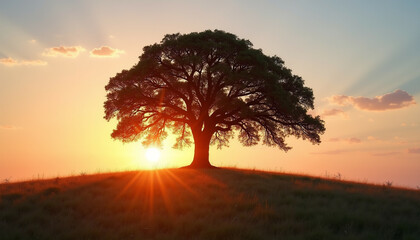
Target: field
{"type": "Point", "coordinates": [206, 204]}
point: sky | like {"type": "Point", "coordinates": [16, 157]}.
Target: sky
{"type": "Point", "coordinates": [361, 58]}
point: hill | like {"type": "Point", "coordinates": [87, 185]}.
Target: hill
{"type": "Point", "coordinates": [205, 204]}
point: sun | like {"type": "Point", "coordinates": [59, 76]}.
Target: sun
{"type": "Point", "coordinates": [152, 154]}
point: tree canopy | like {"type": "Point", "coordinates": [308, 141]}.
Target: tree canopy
{"type": "Point", "coordinates": [206, 87]}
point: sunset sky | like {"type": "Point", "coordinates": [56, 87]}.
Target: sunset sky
{"type": "Point", "coordinates": [361, 58]}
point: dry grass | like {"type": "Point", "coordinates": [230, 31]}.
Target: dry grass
{"type": "Point", "coordinates": [205, 204]}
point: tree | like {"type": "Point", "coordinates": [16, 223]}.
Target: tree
{"type": "Point", "coordinates": [209, 85]}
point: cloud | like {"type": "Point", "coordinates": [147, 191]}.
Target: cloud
{"type": "Point", "coordinates": [332, 152]}
{"type": "Point", "coordinates": [394, 100]}
{"type": "Point", "coordinates": [339, 99]}
{"type": "Point", "coordinates": [372, 138]}
{"type": "Point", "coordinates": [347, 140]}
{"type": "Point", "coordinates": [64, 51]}
{"type": "Point", "coordinates": [414, 150]}
{"type": "Point", "coordinates": [33, 41]}
{"type": "Point", "coordinates": [394, 141]}
{"type": "Point", "coordinates": [13, 62]}
{"type": "Point", "coordinates": [334, 140]}
{"type": "Point", "coordinates": [333, 112]}
{"type": "Point", "coordinates": [33, 62]}
{"type": "Point", "coordinates": [8, 61]}
{"type": "Point", "coordinates": [9, 127]}
{"type": "Point", "coordinates": [353, 140]}
{"type": "Point", "coordinates": [105, 51]}
{"type": "Point", "coordinates": [384, 154]}
{"type": "Point", "coordinates": [408, 125]}
{"type": "Point", "coordinates": [400, 140]}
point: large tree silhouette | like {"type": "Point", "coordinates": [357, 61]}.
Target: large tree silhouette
{"type": "Point", "coordinates": [210, 85]}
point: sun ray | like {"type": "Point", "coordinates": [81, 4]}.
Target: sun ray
{"type": "Point", "coordinates": [182, 183]}
{"type": "Point", "coordinates": [164, 193]}
{"type": "Point", "coordinates": [151, 194]}
{"type": "Point", "coordinates": [129, 184]}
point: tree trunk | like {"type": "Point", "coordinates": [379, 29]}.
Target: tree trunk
{"type": "Point", "coordinates": [201, 151]}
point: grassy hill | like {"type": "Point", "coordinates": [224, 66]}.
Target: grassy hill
{"type": "Point", "coordinates": [205, 204]}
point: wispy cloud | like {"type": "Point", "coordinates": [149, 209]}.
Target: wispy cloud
{"type": "Point", "coordinates": [9, 127]}
{"type": "Point", "coordinates": [400, 140]}
{"type": "Point", "coordinates": [395, 140]}
{"type": "Point", "coordinates": [394, 100]}
{"type": "Point", "coordinates": [33, 62]}
{"type": "Point", "coordinates": [385, 154]}
{"type": "Point", "coordinates": [347, 140]}
{"type": "Point", "coordinates": [333, 112]}
{"type": "Point", "coordinates": [372, 138]}
{"type": "Point", "coordinates": [13, 62]}
{"type": "Point", "coordinates": [353, 140]}
{"type": "Point", "coordinates": [408, 125]}
{"type": "Point", "coordinates": [106, 51]}
{"type": "Point", "coordinates": [8, 61]}
{"type": "Point", "coordinates": [332, 152]}
{"type": "Point", "coordinates": [64, 51]}
{"type": "Point", "coordinates": [414, 150]}
{"type": "Point", "coordinates": [334, 140]}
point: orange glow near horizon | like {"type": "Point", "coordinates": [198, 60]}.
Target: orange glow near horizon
{"type": "Point", "coordinates": [54, 64]}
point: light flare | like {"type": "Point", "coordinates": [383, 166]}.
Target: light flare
{"type": "Point", "coordinates": [153, 154]}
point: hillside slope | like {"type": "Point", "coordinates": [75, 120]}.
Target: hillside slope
{"type": "Point", "coordinates": [205, 204]}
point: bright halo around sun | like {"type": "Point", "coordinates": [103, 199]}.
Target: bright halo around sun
{"type": "Point", "coordinates": [153, 154]}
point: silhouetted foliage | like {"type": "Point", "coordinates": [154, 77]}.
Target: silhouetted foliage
{"type": "Point", "coordinates": [208, 85]}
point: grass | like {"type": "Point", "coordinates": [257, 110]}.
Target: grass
{"type": "Point", "coordinates": [206, 204]}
